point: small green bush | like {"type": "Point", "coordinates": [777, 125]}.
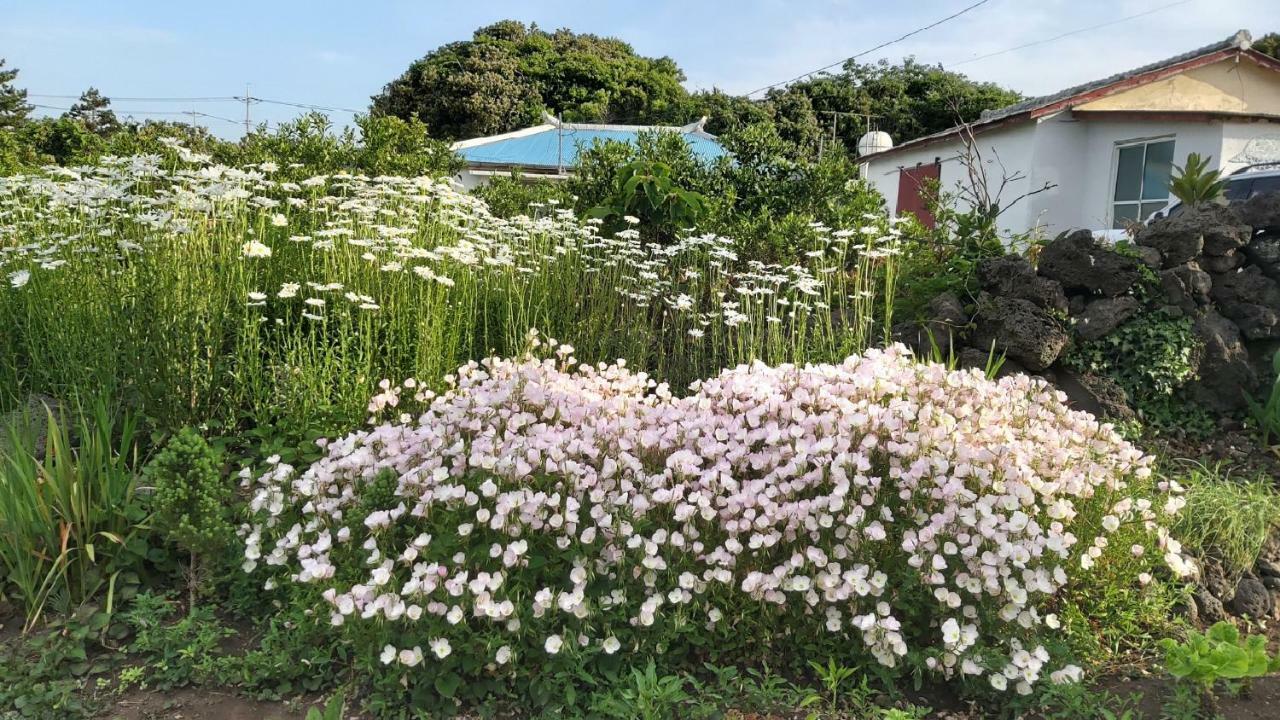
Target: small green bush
{"type": "Point", "coordinates": [1218, 654]}
{"type": "Point", "coordinates": [191, 499]}
{"type": "Point", "coordinates": [1151, 357]}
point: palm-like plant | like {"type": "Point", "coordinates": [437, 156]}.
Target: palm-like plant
{"type": "Point", "coordinates": [1195, 184]}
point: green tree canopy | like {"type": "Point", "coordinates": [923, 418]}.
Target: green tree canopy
{"type": "Point", "coordinates": [907, 100]}
{"type": "Point", "coordinates": [13, 102]}
{"type": "Point", "coordinates": [508, 74]}
{"type": "Point", "coordinates": [1268, 44]}
{"type": "Point", "coordinates": [93, 110]}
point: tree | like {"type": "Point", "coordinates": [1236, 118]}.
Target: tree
{"type": "Point", "coordinates": [13, 102]}
{"type": "Point", "coordinates": [1268, 44]}
{"type": "Point", "coordinates": [94, 111]}
{"type": "Point", "coordinates": [907, 100]}
{"type": "Point", "coordinates": [508, 74]}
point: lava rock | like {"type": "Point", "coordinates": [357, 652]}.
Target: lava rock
{"type": "Point", "coordinates": [1252, 598]}
{"type": "Point", "coordinates": [1225, 374]}
{"type": "Point", "coordinates": [1264, 251]}
{"type": "Point", "coordinates": [1197, 282]}
{"type": "Point", "coordinates": [1021, 330]}
{"type": "Point", "coordinates": [1095, 394]}
{"type": "Point", "coordinates": [1176, 292]}
{"type": "Point", "coordinates": [1149, 256]}
{"type": "Point", "coordinates": [1078, 262]}
{"type": "Point", "coordinates": [1104, 315]}
{"type": "Point", "coordinates": [1179, 238]}
{"type": "Point", "coordinates": [1209, 609]}
{"type": "Point", "coordinates": [1221, 263]}
{"type": "Point", "coordinates": [1251, 299]}
{"type": "Point", "coordinates": [1261, 211]}
{"type": "Point", "coordinates": [1012, 276]}
{"type": "Point", "coordinates": [1268, 568]}
{"type": "Point", "coordinates": [1223, 229]}
{"type": "Point", "coordinates": [946, 319]}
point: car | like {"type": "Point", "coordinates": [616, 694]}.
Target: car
{"type": "Point", "coordinates": [1242, 184]}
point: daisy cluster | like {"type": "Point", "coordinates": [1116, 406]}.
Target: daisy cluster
{"type": "Point", "coordinates": [892, 509]}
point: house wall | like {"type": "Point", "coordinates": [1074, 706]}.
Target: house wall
{"type": "Point", "coordinates": [1010, 147]}
{"type": "Point", "coordinates": [1057, 160]}
{"type": "Point", "coordinates": [1075, 155]}
{"type": "Point", "coordinates": [1229, 86]}
{"type": "Point", "coordinates": [1097, 180]}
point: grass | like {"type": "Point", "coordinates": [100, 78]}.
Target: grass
{"type": "Point", "coordinates": [221, 296]}
{"type": "Point", "coordinates": [67, 509]}
{"type": "Point", "coordinates": [1227, 518]}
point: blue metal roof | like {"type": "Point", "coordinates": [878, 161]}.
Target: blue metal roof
{"type": "Point", "coordinates": [553, 147]}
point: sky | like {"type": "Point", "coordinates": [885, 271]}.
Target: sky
{"type": "Point", "coordinates": [337, 54]}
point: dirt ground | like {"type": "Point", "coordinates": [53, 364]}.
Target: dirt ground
{"type": "Point", "coordinates": [1262, 702]}
{"type": "Point", "coordinates": [199, 704]}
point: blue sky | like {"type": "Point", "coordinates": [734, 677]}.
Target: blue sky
{"type": "Point", "coordinates": [339, 53]}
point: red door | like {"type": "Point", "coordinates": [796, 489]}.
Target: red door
{"type": "Point", "coordinates": [912, 191]}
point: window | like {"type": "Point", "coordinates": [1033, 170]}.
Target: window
{"type": "Point", "coordinates": [1142, 180]}
{"type": "Point", "coordinates": [1265, 185]}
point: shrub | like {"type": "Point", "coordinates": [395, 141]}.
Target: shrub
{"type": "Point", "coordinates": [191, 499]}
{"type": "Point", "coordinates": [1151, 357]}
{"type": "Point", "coordinates": [521, 195]}
{"type": "Point", "coordinates": [543, 519]}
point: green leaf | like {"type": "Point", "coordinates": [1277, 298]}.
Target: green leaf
{"type": "Point", "coordinates": [447, 683]}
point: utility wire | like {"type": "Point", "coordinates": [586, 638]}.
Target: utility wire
{"type": "Point", "coordinates": [305, 106]}
{"type": "Point", "coordinates": [881, 46]}
{"type": "Point", "coordinates": [141, 99]}
{"type": "Point", "coordinates": [1109, 23]}
{"type": "Point", "coordinates": [128, 112]}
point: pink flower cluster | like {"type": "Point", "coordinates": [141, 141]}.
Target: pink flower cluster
{"type": "Point", "coordinates": [828, 495]}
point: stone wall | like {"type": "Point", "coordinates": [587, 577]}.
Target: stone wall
{"type": "Point", "coordinates": [1218, 266]}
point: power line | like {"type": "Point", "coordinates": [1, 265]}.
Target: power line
{"type": "Point", "coordinates": [307, 106]}
{"type": "Point", "coordinates": [881, 46]}
{"type": "Point", "coordinates": [1109, 23]}
{"type": "Point", "coordinates": [223, 98]}
{"type": "Point", "coordinates": [130, 112]}
{"type": "Point", "coordinates": [211, 98]}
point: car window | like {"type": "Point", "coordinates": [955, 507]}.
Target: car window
{"type": "Point", "coordinates": [1264, 185]}
{"type": "Point", "coordinates": [1238, 189]}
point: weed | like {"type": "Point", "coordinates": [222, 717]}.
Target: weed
{"type": "Point", "coordinates": [1226, 518]}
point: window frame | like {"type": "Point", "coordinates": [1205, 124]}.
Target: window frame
{"type": "Point", "coordinates": [1144, 142]}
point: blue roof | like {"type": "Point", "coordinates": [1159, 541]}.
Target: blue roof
{"type": "Point", "coordinates": [547, 146]}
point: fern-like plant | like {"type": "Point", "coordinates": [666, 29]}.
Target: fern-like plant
{"type": "Point", "coordinates": [1195, 184]}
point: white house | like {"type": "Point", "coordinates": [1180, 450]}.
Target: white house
{"type": "Point", "coordinates": [1106, 147]}
{"type": "Point", "coordinates": [550, 150]}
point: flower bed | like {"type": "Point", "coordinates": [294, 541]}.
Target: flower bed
{"type": "Point", "coordinates": [881, 510]}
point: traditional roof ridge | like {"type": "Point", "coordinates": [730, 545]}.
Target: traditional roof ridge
{"type": "Point", "coordinates": [1239, 43]}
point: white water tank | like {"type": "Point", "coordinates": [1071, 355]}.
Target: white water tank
{"type": "Point", "coordinates": [874, 142]}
